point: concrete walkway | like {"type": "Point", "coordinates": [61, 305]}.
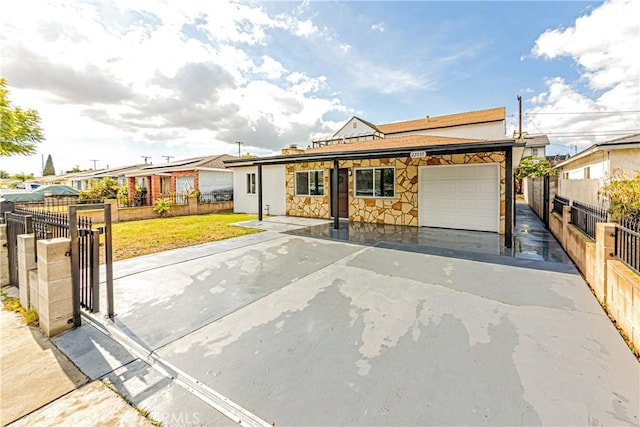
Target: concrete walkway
{"type": "Point", "coordinates": [40, 386]}
{"type": "Point", "coordinates": [290, 329]}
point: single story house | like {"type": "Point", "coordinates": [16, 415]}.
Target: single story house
{"type": "Point", "coordinates": [582, 176]}
{"type": "Point", "coordinates": [427, 172]}
{"type": "Point", "coordinates": [83, 180]}
{"type": "Point", "coordinates": [203, 174]}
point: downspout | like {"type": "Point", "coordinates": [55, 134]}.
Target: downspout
{"type": "Point", "coordinates": [334, 195]}
{"type": "Point", "coordinates": [259, 192]}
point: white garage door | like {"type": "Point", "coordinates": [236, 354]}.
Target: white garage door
{"type": "Point", "coordinates": [465, 197]}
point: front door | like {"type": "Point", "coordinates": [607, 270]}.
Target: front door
{"type": "Point", "coordinates": [343, 193]}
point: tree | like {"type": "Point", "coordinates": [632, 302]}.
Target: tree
{"type": "Point", "coordinates": [74, 170]}
{"type": "Point", "coordinates": [624, 197]}
{"type": "Point", "coordinates": [20, 129]}
{"type": "Point", "coordinates": [48, 167]}
{"type": "Point", "coordinates": [23, 177]}
{"type": "Point", "coordinates": [4, 174]}
{"type": "Point", "coordinates": [530, 167]}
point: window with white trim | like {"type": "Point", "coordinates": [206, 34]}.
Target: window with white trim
{"type": "Point", "coordinates": [310, 183]}
{"type": "Point", "coordinates": [375, 182]}
{"type": "Point", "coordinates": [251, 183]}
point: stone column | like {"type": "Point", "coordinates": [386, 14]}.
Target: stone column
{"type": "Point", "coordinates": [55, 286]}
{"type": "Point", "coordinates": [605, 245]}
{"type": "Point", "coordinates": [26, 262]}
{"type": "Point", "coordinates": [4, 256]}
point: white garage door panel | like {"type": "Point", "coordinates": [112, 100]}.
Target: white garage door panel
{"type": "Point", "coordinates": [462, 197]}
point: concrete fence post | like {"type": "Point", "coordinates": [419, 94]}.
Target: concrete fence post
{"type": "Point", "coordinates": [115, 217]}
{"type": "Point", "coordinates": [566, 220]}
{"type": "Point", "coordinates": [192, 202]}
{"type": "Point", "coordinates": [4, 256]}
{"type": "Point", "coordinates": [26, 262]}
{"type": "Point", "coordinates": [605, 245]}
{"type": "Point", "coordinates": [55, 286]}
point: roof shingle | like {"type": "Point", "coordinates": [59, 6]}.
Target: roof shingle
{"type": "Point", "coordinates": [481, 116]}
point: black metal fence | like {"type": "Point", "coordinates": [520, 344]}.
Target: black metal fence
{"type": "Point", "coordinates": [585, 217]}
{"type": "Point", "coordinates": [16, 225]}
{"type": "Point", "coordinates": [46, 224]}
{"type": "Point", "coordinates": [558, 203]}
{"type": "Point", "coordinates": [627, 246]}
{"type": "Point", "coordinates": [215, 196]}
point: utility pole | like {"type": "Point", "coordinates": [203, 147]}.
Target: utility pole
{"type": "Point", "coordinates": [167, 158]}
{"type": "Point", "coordinates": [94, 164]}
{"type": "Point", "coordinates": [239, 144]}
{"type": "Point", "coordinates": [519, 117]}
{"type": "Point", "coordinates": [145, 159]}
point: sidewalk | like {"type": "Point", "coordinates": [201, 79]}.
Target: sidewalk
{"type": "Point", "coordinates": [39, 385]}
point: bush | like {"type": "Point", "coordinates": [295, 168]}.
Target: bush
{"type": "Point", "coordinates": [624, 197]}
{"type": "Point", "coordinates": [106, 188]}
{"type": "Point", "coordinates": [162, 206]}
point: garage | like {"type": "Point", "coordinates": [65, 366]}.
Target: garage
{"type": "Point", "coordinates": [463, 197]}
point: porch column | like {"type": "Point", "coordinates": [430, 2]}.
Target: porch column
{"type": "Point", "coordinates": [508, 194]}
{"type": "Point", "coordinates": [334, 195]}
{"type": "Point", "coordinates": [259, 192]}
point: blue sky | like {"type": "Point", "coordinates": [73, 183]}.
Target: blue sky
{"type": "Point", "coordinates": [116, 80]}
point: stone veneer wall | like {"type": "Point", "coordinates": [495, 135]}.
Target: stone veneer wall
{"type": "Point", "coordinates": [400, 210]}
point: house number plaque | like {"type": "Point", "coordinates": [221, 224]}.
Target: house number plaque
{"type": "Point", "coordinates": [417, 154]}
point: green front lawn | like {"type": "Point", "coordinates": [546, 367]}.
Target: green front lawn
{"type": "Point", "coordinates": [135, 238]}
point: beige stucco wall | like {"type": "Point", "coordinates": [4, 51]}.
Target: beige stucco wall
{"type": "Point", "coordinates": [401, 209]}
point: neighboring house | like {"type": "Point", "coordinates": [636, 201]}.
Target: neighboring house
{"type": "Point", "coordinates": [82, 181]}
{"type": "Point", "coordinates": [535, 145]}
{"type": "Point", "coordinates": [557, 159]}
{"type": "Point", "coordinates": [203, 174]}
{"type": "Point", "coordinates": [427, 172]}
{"type": "Point", "coordinates": [62, 179]}
{"type": "Point", "coordinates": [582, 176]}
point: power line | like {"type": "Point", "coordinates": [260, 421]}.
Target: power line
{"type": "Point", "coordinates": [581, 112]}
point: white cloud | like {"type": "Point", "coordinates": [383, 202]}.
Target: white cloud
{"type": "Point", "coordinates": [378, 26]}
{"type": "Point", "coordinates": [603, 45]}
{"type": "Point", "coordinates": [115, 80]}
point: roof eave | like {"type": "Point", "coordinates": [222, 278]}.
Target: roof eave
{"type": "Point", "coordinates": [598, 147]}
{"type": "Point", "coordinates": [378, 153]}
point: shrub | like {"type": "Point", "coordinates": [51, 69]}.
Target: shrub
{"type": "Point", "coordinates": [624, 197]}
{"type": "Point", "coordinates": [106, 188]}
{"type": "Point", "coordinates": [162, 206]}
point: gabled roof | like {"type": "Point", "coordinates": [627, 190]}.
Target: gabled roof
{"type": "Point", "coordinates": [371, 125]}
{"type": "Point", "coordinates": [468, 118]}
{"type": "Point", "coordinates": [630, 141]}
{"type": "Point", "coordinates": [195, 163]}
{"type": "Point", "coordinates": [536, 141]}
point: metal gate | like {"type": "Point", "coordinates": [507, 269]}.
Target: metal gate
{"type": "Point", "coordinates": [16, 225]}
{"type": "Point", "coordinates": [85, 260]}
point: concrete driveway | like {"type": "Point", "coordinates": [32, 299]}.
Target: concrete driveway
{"type": "Point", "coordinates": [302, 331]}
